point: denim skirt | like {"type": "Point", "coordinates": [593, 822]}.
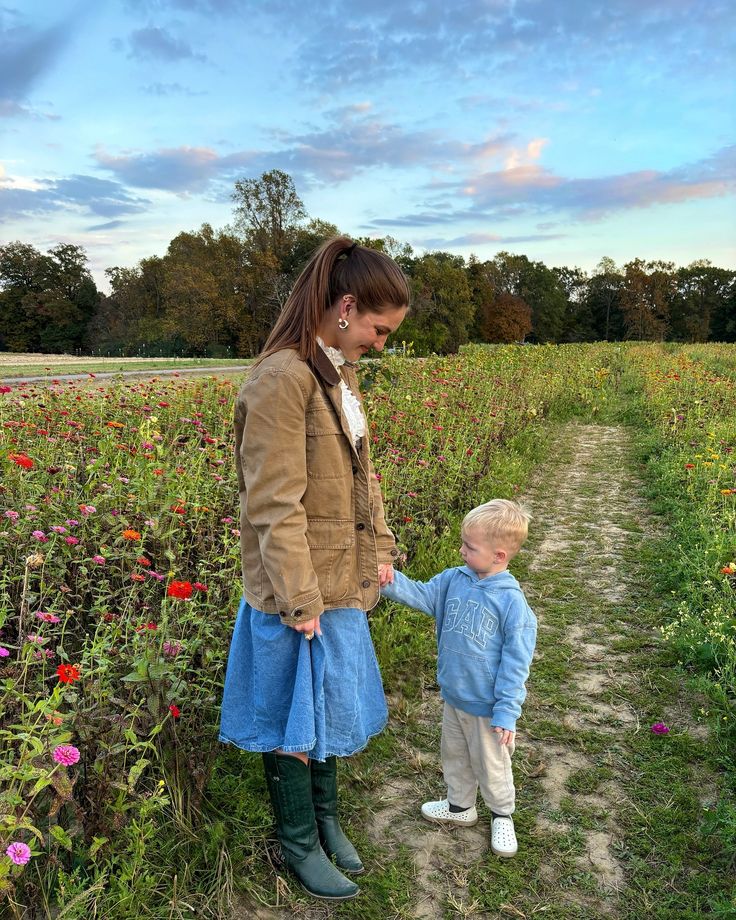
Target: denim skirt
{"type": "Point", "coordinates": [322, 697]}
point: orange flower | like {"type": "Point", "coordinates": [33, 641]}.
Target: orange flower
{"type": "Point", "coordinates": [131, 535]}
{"type": "Point", "coordinates": [115, 425]}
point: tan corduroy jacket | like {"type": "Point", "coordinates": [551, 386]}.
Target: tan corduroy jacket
{"type": "Point", "coordinates": [312, 527]}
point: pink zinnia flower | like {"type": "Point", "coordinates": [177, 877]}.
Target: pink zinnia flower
{"type": "Point", "coordinates": [4, 653]}
{"type": "Point", "coordinates": [47, 617]}
{"type": "Point", "coordinates": [171, 649]}
{"type": "Point", "coordinates": [40, 535]}
{"type": "Point", "coordinates": [659, 728]}
{"type": "Point", "coordinates": [12, 515]}
{"type": "Point", "coordinates": [100, 560]}
{"type": "Point", "coordinates": [57, 528]}
{"type": "Point", "coordinates": [66, 754]}
{"type": "Point", "coordinates": [71, 541]}
{"type": "Point", "coordinates": [18, 852]}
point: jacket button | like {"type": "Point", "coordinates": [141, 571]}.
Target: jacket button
{"type": "Point", "coordinates": [297, 613]}
{"type": "Point", "coordinates": [360, 526]}
{"type": "Point", "coordinates": [366, 584]}
{"type": "Point", "coordinates": [394, 552]}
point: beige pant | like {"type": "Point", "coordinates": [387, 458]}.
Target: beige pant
{"type": "Point", "coordinates": [473, 756]}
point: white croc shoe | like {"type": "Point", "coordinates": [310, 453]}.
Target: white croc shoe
{"type": "Point", "coordinates": [440, 813]}
{"type": "Point", "coordinates": [503, 837]}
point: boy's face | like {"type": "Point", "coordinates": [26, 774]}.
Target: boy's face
{"type": "Point", "coordinates": [481, 555]}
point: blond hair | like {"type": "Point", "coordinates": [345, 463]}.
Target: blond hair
{"type": "Point", "coordinates": [500, 519]}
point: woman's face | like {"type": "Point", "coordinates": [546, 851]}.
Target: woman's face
{"type": "Point", "coordinates": [367, 330]}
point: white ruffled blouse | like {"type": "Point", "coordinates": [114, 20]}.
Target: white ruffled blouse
{"type": "Point", "coordinates": [352, 410]}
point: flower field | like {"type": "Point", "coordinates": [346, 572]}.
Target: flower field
{"type": "Point", "coordinates": [119, 576]}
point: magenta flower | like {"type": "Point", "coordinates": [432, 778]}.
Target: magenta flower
{"type": "Point", "coordinates": [100, 560]}
{"type": "Point", "coordinates": [19, 853]}
{"type": "Point", "coordinates": [4, 653]}
{"type": "Point", "coordinates": [659, 728]}
{"type": "Point", "coordinates": [72, 523]}
{"type": "Point", "coordinates": [72, 541]}
{"type": "Point", "coordinates": [66, 754]}
{"type": "Point", "coordinates": [57, 528]}
{"type": "Point", "coordinates": [12, 515]}
{"type": "Point", "coordinates": [47, 617]}
{"type": "Point", "coordinates": [40, 535]}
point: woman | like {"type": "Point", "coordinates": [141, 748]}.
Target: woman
{"type": "Point", "coordinates": [302, 684]}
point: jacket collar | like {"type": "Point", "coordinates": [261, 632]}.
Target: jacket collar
{"type": "Point", "coordinates": [326, 372]}
{"type": "Point", "coordinates": [325, 369]}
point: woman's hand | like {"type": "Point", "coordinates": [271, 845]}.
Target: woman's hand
{"type": "Point", "coordinates": [385, 574]}
{"type": "Point", "coordinates": [308, 627]}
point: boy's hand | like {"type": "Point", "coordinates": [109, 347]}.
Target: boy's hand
{"type": "Point", "coordinates": [507, 737]}
{"type": "Point", "coordinates": [385, 574]}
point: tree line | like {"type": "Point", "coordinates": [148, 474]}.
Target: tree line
{"type": "Point", "coordinates": [216, 293]}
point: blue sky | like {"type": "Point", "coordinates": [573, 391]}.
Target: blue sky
{"type": "Point", "coordinates": [566, 131]}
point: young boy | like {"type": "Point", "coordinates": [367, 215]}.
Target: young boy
{"type": "Point", "coordinates": [486, 633]}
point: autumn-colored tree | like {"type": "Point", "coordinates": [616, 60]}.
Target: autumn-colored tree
{"type": "Point", "coordinates": [507, 319]}
{"type": "Point", "coordinates": [645, 299]}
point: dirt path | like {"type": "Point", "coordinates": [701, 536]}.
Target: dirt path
{"type": "Point", "coordinates": [572, 760]}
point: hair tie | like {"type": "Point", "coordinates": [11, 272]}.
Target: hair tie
{"type": "Point", "coordinates": [346, 253]}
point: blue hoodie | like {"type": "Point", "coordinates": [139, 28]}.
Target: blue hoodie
{"type": "Point", "coordinates": [486, 633]}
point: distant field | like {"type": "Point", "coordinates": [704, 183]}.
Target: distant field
{"type": "Point", "coordinates": [34, 365]}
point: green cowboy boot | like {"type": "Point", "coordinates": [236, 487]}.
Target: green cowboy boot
{"type": "Point", "coordinates": [289, 786]}
{"type": "Point", "coordinates": [324, 795]}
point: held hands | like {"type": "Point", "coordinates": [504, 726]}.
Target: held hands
{"type": "Point", "coordinates": [506, 736]}
{"type": "Point", "coordinates": [312, 627]}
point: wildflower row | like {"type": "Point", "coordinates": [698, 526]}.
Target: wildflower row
{"type": "Point", "coordinates": [119, 579]}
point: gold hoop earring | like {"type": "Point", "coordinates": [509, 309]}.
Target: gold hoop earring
{"type": "Point", "coordinates": [342, 323]}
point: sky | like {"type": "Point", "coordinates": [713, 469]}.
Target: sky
{"type": "Point", "coordinates": [565, 130]}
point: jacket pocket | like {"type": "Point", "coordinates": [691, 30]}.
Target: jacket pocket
{"type": "Point", "coordinates": [332, 549]}
{"type": "Point", "coordinates": [328, 450]}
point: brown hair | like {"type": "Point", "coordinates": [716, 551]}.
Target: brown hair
{"type": "Point", "coordinates": [338, 267]}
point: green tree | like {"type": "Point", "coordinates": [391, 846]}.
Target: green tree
{"type": "Point", "coordinates": [700, 292]}
{"type": "Point", "coordinates": [604, 301]}
{"type": "Point", "coordinates": [46, 301]}
{"type": "Point", "coordinates": [442, 310]}
{"type": "Point", "coordinates": [578, 325]}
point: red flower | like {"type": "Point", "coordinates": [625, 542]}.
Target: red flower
{"type": "Point", "coordinates": [198, 586]}
{"type": "Point", "coordinates": [689, 466]}
{"type": "Point", "coordinates": [180, 589]}
{"type": "Point", "coordinates": [141, 560]}
{"type": "Point", "coordinates": [5, 389]}
{"type": "Point", "coordinates": [22, 460]}
{"type": "Point", "coordinates": [152, 626]}
{"type": "Point", "coordinates": [136, 576]}
{"type": "Point", "coordinates": [174, 710]}
{"type": "Point", "coordinates": [68, 673]}
{"type": "Point", "coordinates": [179, 508]}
